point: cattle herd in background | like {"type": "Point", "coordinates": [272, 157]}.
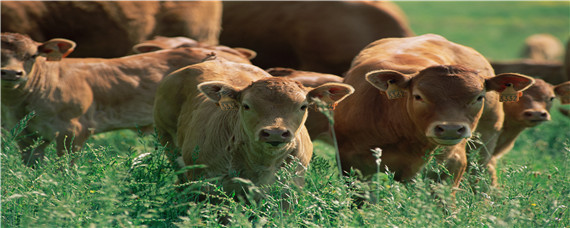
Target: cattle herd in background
{"type": "Point", "coordinates": [231, 85]}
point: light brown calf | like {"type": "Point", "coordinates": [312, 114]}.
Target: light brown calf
{"type": "Point", "coordinates": [320, 36]}
{"type": "Point", "coordinates": [109, 29]}
{"type": "Point", "coordinates": [413, 95]}
{"type": "Point", "coordinates": [542, 47]}
{"type": "Point", "coordinates": [236, 119]}
{"type": "Point", "coordinates": [76, 97]}
{"type": "Point", "coordinates": [531, 110]}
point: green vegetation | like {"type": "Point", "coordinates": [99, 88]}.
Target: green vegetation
{"type": "Point", "coordinates": [112, 185]}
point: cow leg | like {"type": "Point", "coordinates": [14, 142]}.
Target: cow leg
{"type": "Point", "coordinates": [72, 141]}
{"type": "Point", "coordinates": [491, 168]}
{"type": "Point", "coordinates": [31, 156]}
{"type": "Point", "coordinates": [454, 159]}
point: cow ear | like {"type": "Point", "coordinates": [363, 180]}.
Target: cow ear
{"type": "Point", "coordinates": [509, 85]}
{"type": "Point", "coordinates": [146, 47]}
{"type": "Point", "coordinates": [280, 71]}
{"type": "Point", "coordinates": [562, 91]}
{"type": "Point", "coordinates": [248, 53]}
{"type": "Point", "coordinates": [330, 93]}
{"type": "Point", "coordinates": [56, 49]}
{"type": "Point", "coordinates": [221, 93]}
{"type": "Point", "coordinates": [389, 81]}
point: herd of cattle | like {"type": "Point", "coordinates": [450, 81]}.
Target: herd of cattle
{"type": "Point", "coordinates": [245, 111]}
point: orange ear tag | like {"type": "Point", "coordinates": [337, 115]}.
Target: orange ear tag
{"type": "Point", "coordinates": [227, 103]}
{"type": "Point", "coordinates": [510, 94]}
{"type": "Point", "coordinates": [394, 91]}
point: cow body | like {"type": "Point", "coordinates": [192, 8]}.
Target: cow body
{"type": "Point", "coordinates": [440, 86]}
{"type": "Point", "coordinates": [122, 23]}
{"type": "Point", "coordinates": [236, 119]}
{"type": "Point", "coordinates": [531, 110]}
{"type": "Point", "coordinates": [76, 97]}
{"type": "Point", "coordinates": [550, 71]}
{"type": "Point", "coordinates": [542, 47]}
{"type": "Point", "coordinates": [313, 36]}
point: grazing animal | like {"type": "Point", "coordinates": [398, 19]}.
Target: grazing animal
{"type": "Point", "coordinates": [529, 111]}
{"type": "Point", "coordinates": [75, 97]}
{"type": "Point", "coordinates": [413, 95]}
{"type": "Point", "coordinates": [108, 29]}
{"type": "Point", "coordinates": [542, 47]}
{"type": "Point", "coordinates": [320, 36]}
{"type": "Point", "coordinates": [237, 120]}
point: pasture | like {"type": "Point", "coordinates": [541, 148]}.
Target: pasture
{"type": "Point", "coordinates": [111, 185]}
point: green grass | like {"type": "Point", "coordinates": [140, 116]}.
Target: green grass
{"type": "Point", "coordinates": [496, 29]}
{"type": "Point", "coordinates": [110, 187]}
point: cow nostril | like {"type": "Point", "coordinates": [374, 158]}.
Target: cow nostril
{"type": "Point", "coordinates": [543, 114]}
{"type": "Point", "coordinates": [286, 134]}
{"type": "Point", "coordinates": [19, 73]}
{"type": "Point", "coordinates": [439, 129]}
{"type": "Point", "coordinates": [264, 134]}
{"type": "Point", "coordinates": [461, 130]}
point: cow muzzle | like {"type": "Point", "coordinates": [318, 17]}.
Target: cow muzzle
{"type": "Point", "coordinates": [445, 133]}
{"type": "Point", "coordinates": [535, 117]}
{"type": "Point", "coordinates": [275, 136]}
{"type": "Point", "coordinates": [12, 75]}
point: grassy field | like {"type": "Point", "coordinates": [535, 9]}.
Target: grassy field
{"type": "Point", "coordinates": [110, 186]}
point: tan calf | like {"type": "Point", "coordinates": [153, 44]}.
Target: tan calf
{"type": "Point", "coordinates": [531, 110]}
{"type": "Point", "coordinates": [413, 95]}
{"type": "Point", "coordinates": [76, 97]}
{"type": "Point", "coordinates": [237, 120]}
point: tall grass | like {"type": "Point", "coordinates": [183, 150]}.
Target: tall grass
{"type": "Point", "coordinates": [123, 179]}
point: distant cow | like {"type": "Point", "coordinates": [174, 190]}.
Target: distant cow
{"type": "Point", "coordinates": [320, 36]}
{"type": "Point", "coordinates": [413, 95]}
{"type": "Point", "coordinates": [109, 29]}
{"type": "Point", "coordinates": [531, 109]}
{"type": "Point", "coordinates": [543, 47]}
{"type": "Point", "coordinates": [237, 120]}
{"type": "Point", "coordinates": [76, 97]}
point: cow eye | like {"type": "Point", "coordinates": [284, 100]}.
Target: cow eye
{"type": "Point", "coordinates": [304, 107]}
{"type": "Point", "coordinates": [551, 99]}
{"type": "Point", "coordinates": [418, 97]}
{"type": "Point", "coordinates": [245, 107]}
{"type": "Point", "coordinates": [480, 98]}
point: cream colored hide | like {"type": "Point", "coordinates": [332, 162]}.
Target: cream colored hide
{"type": "Point", "coordinates": [237, 120]}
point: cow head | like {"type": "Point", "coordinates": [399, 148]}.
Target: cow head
{"type": "Point", "coordinates": [272, 110]}
{"type": "Point", "coordinates": [19, 54]}
{"type": "Point", "coordinates": [534, 106]}
{"type": "Point", "coordinates": [444, 102]}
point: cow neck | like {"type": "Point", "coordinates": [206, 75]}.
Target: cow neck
{"type": "Point", "coordinates": [43, 78]}
{"type": "Point", "coordinates": [509, 133]}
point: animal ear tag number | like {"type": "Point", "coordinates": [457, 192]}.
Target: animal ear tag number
{"type": "Point", "coordinates": [226, 102]}
{"type": "Point", "coordinates": [394, 91]}
{"type": "Point", "coordinates": [509, 94]}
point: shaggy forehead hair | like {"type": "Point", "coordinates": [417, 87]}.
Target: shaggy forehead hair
{"type": "Point", "coordinates": [276, 87]}
{"type": "Point", "coordinates": [15, 43]}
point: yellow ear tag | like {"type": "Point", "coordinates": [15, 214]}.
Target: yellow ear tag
{"type": "Point", "coordinates": [227, 103]}
{"type": "Point", "coordinates": [510, 94]}
{"type": "Point", "coordinates": [394, 91]}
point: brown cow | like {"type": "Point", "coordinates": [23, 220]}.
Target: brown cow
{"type": "Point", "coordinates": [531, 109]}
{"type": "Point", "coordinates": [76, 97]}
{"type": "Point", "coordinates": [309, 35]}
{"type": "Point", "coordinates": [414, 95]}
{"type": "Point", "coordinates": [543, 47]}
{"type": "Point", "coordinates": [236, 119]}
{"type": "Point", "coordinates": [109, 29]}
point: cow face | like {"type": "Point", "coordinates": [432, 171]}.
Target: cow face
{"type": "Point", "coordinates": [19, 55]}
{"type": "Point", "coordinates": [444, 102]}
{"type": "Point", "coordinates": [534, 106]}
{"type": "Point", "coordinates": [272, 111]}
